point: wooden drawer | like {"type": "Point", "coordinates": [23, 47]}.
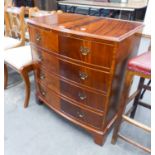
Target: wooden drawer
{"type": "Point", "coordinates": [44, 38]}
{"type": "Point", "coordinates": [84, 97]}
{"type": "Point", "coordinates": [73, 72]}
{"type": "Point", "coordinates": [87, 51]}
{"type": "Point", "coordinates": [47, 95]}
{"type": "Point", "coordinates": [80, 114]}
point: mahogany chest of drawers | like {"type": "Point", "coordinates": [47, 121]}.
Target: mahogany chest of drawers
{"type": "Point", "coordinates": [79, 64]}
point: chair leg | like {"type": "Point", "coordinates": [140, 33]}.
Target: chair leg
{"type": "Point", "coordinates": [5, 76]}
{"type": "Point", "coordinates": [136, 100]}
{"type": "Point", "coordinates": [123, 100]}
{"type": "Point", "coordinates": [25, 77]}
{"type": "Point", "coordinates": [142, 94]}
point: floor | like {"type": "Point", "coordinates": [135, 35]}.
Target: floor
{"type": "Point", "coordinates": [39, 131]}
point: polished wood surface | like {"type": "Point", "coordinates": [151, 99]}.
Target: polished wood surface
{"type": "Point", "coordinates": [84, 97]}
{"type": "Point", "coordinates": [44, 38]}
{"type": "Point", "coordinates": [89, 26]}
{"type": "Point", "coordinates": [73, 72]}
{"type": "Point", "coordinates": [79, 64]}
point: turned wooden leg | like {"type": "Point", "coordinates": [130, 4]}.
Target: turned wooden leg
{"type": "Point", "coordinates": [125, 93]}
{"type": "Point", "coordinates": [98, 139]}
{"type": "Point", "coordinates": [25, 77]}
{"type": "Point", "coordinates": [143, 92]}
{"type": "Point", "coordinates": [136, 100]}
{"type": "Point", "coordinates": [5, 76]}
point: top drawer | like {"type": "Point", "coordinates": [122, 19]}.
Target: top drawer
{"type": "Point", "coordinates": [96, 53]}
{"type": "Point", "coordinates": [90, 52]}
{"type": "Point", "coordinates": [44, 38]}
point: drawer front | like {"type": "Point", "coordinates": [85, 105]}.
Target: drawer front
{"type": "Point", "coordinates": [84, 97]}
{"type": "Point", "coordinates": [47, 95]}
{"type": "Point", "coordinates": [82, 115]}
{"type": "Point", "coordinates": [87, 51]}
{"type": "Point", "coordinates": [44, 38]}
{"type": "Point", "coordinates": [79, 74]}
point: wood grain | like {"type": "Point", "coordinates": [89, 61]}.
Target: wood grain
{"type": "Point", "coordinates": [102, 28]}
{"type": "Point", "coordinates": [79, 65]}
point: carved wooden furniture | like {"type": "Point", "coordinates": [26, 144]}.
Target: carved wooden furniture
{"type": "Point", "coordinates": [14, 27]}
{"type": "Point", "coordinates": [79, 64]}
{"type": "Point", "coordinates": [16, 55]}
{"type": "Point", "coordinates": [19, 59]}
{"type": "Point", "coordinates": [140, 66]}
{"type": "Point", "coordinates": [35, 12]}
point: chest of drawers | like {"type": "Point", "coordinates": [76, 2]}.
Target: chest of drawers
{"type": "Point", "coordinates": [79, 64]}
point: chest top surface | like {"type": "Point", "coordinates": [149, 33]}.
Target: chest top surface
{"type": "Point", "coordinates": [90, 26]}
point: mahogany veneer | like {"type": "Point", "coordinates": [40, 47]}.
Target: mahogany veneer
{"type": "Point", "coordinates": [79, 64]}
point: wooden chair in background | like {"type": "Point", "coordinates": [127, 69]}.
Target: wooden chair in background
{"type": "Point", "coordinates": [16, 55]}
{"type": "Point", "coordinates": [20, 58]}
{"type": "Point", "coordinates": [14, 27]}
{"type": "Point", "coordinates": [138, 66]}
{"type": "Point", "coordinates": [30, 11]}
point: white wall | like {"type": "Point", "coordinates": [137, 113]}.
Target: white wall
{"type": "Point", "coordinates": [147, 20]}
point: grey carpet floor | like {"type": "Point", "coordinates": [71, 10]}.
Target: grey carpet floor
{"type": "Point", "coordinates": [38, 130]}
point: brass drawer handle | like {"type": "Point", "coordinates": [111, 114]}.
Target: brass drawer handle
{"type": "Point", "coordinates": [38, 37]}
{"type": "Point", "coordinates": [82, 96]}
{"type": "Point", "coordinates": [42, 76]}
{"type": "Point", "coordinates": [84, 50]}
{"type": "Point", "coordinates": [43, 93]}
{"type": "Point", "coordinates": [83, 76]}
{"type": "Point", "coordinates": [80, 115]}
{"type": "Point", "coordinates": [40, 58]}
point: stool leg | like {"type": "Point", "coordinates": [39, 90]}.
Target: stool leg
{"type": "Point", "coordinates": [5, 76]}
{"type": "Point", "coordinates": [142, 94]}
{"type": "Point", "coordinates": [25, 77]}
{"type": "Point", "coordinates": [89, 11]}
{"type": "Point", "coordinates": [136, 100]}
{"type": "Point", "coordinates": [123, 100]}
